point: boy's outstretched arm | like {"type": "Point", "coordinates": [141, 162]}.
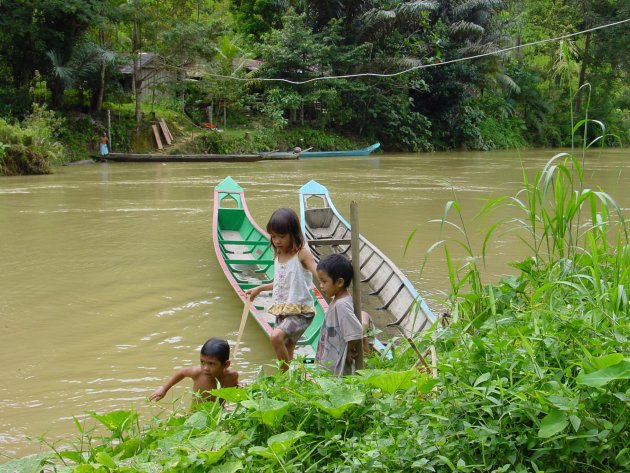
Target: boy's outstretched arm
{"type": "Point", "coordinates": [159, 393]}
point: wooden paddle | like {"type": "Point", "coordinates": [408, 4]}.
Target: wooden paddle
{"type": "Point", "coordinates": [248, 304]}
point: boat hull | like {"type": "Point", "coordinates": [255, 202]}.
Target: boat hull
{"type": "Point", "coordinates": [385, 289]}
{"type": "Point", "coordinates": [331, 154]}
{"type": "Point", "coordinates": [192, 158]}
{"type": "Point", "coordinates": [246, 258]}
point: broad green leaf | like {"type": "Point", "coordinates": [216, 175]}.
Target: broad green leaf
{"type": "Point", "coordinates": [484, 377]}
{"type": "Point", "coordinates": [104, 459]}
{"type": "Point", "coordinates": [86, 468]}
{"type": "Point", "coordinates": [269, 411]}
{"type": "Point", "coordinates": [389, 381]}
{"type": "Point", "coordinates": [76, 457]}
{"type": "Point", "coordinates": [231, 394]}
{"type": "Point", "coordinates": [228, 467]}
{"type": "Point", "coordinates": [211, 447]}
{"type": "Point", "coordinates": [341, 399]}
{"type": "Point", "coordinates": [553, 423]}
{"type": "Point", "coordinates": [128, 448]}
{"type": "Point", "coordinates": [30, 464]}
{"type": "Point", "coordinates": [198, 420]}
{"type": "Point", "coordinates": [425, 384]}
{"type": "Point", "coordinates": [605, 361]}
{"type": "Point", "coordinates": [261, 451]}
{"type": "Point", "coordinates": [575, 422]}
{"type": "Point", "coordinates": [215, 440]}
{"type": "Point", "coordinates": [149, 467]}
{"type": "Point", "coordinates": [116, 421]}
{"type": "Point", "coordinates": [327, 384]}
{"type": "Point", "coordinates": [604, 376]}
{"type": "Point", "coordinates": [280, 443]}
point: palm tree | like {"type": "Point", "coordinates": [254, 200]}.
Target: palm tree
{"type": "Point", "coordinates": [86, 60]}
{"type": "Point", "coordinates": [474, 29]}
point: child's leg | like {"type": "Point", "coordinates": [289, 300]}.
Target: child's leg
{"type": "Point", "coordinates": [279, 345]}
{"type": "Point", "coordinates": [290, 348]}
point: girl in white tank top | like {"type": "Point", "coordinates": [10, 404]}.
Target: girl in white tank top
{"type": "Point", "coordinates": [294, 268]}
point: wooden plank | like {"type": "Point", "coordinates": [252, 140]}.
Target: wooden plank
{"type": "Point", "coordinates": [330, 242]}
{"type": "Point", "coordinates": [165, 127]}
{"type": "Point", "coordinates": [156, 135]}
{"type": "Point", "coordinates": [167, 135]}
{"type": "Point", "coordinates": [356, 269]}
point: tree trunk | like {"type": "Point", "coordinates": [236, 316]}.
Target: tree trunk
{"type": "Point", "coordinates": [137, 86]}
{"type": "Point", "coordinates": [98, 103]}
{"type": "Point", "coordinates": [56, 90]}
{"type": "Point", "coordinates": [582, 77]}
{"type": "Point", "coordinates": [137, 79]}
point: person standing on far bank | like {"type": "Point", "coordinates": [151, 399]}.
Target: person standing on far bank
{"type": "Point", "coordinates": [103, 146]}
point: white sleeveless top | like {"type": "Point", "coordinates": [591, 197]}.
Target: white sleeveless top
{"type": "Point", "coordinates": [291, 288]}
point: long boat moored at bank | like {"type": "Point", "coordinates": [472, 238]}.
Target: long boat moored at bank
{"type": "Point", "coordinates": [387, 290]}
{"type": "Point", "coordinates": [246, 258]}
{"type": "Point", "coordinates": [328, 154]}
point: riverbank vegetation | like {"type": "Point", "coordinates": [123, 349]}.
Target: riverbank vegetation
{"type": "Point", "coordinates": [533, 372]}
{"type": "Point", "coordinates": [264, 65]}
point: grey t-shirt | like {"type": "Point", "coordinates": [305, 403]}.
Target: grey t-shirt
{"type": "Point", "coordinates": [340, 327]}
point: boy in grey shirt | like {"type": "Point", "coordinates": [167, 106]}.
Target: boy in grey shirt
{"type": "Point", "coordinates": [341, 333]}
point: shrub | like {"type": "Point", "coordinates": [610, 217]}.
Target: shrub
{"type": "Point", "coordinates": [19, 159]}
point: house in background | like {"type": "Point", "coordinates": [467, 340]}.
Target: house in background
{"type": "Point", "coordinates": [151, 72]}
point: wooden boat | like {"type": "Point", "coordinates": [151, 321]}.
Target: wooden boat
{"type": "Point", "coordinates": [193, 158]}
{"type": "Point", "coordinates": [246, 257]}
{"type": "Point", "coordinates": [331, 154]}
{"type": "Point", "coordinates": [386, 291]}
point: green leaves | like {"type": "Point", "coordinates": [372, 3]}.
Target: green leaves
{"type": "Point", "coordinates": [30, 464]}
{"type": "Point", "coordinates": [604, 376]}
{"type": "Point", "coordinates": [116, 421]}
{"type": "Point", "coordinates": [392, 381]}
{"type": "Point", "coordinates": [553, 423]}
{"type": "Point", "coordinates": [210, 447]}
{"type": "Point", "coordinates": [269, 411]}
{"type": "Point", "coordinates": [278, 445]}
{"type": "Point", "coordinates": [340, 399]}
{"type": "Point", "coordinates": [232, 394]}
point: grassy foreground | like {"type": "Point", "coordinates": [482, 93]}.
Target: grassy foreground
{"type": "Point", "coordinates": [533, 373]}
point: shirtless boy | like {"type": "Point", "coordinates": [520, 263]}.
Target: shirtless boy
{"type": "Point", "coordinates": [212, 372]}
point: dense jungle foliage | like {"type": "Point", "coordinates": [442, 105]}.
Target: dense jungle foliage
{"type": "Point", "coordinates": [141, 58]}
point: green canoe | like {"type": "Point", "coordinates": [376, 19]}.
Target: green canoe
{"type": "Point", "coordinates": [246, 257]}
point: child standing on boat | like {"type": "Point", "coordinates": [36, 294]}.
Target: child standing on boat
{"type": "Point", "coordinates": [294, 268]}
{"type": "Point", "coordinates": [342, 333]}
{"type": "Point", "coordinates": [213, 370]}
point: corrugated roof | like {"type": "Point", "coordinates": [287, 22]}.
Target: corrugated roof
{"type": "Point", "coordinates": [144, 60]}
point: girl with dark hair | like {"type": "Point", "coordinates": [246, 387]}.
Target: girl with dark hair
{"type": "Point", "coordinates": [294, 268]}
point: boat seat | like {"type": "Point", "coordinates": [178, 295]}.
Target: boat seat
{"type": "Point", "coordinates": [244, 242]}
{"type": "Point", "coordinates": [259, 262]}
{"type": "Point", "coordinates": [249, 285]}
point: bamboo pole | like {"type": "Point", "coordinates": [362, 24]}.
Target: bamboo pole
{"type": "Point", "coordinates": [109, 129]}
{"type": "Point", "coordinates": [356, 267]}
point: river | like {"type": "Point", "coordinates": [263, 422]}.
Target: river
{"type": "Point", "coordinates": [110, 282]}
